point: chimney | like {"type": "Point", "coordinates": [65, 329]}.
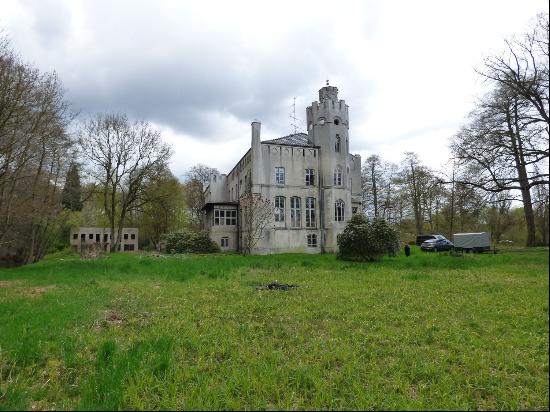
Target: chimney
{"type": "Point", "coordinates": [256, 126]}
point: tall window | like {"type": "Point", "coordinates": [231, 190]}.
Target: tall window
{"type": "Point", "coordinates": [337, 143]}
{"type": "Point", "coordinates": [310, 212]}
{"type": "Point", "coordinates": [279, 209]}
{"type": "Point", "coordinates": [225, 217]}
{"type": "Point", "coordinates": [310, 177]}
{"type": "Point", "coordinates": [338, 177]}
{"type": "Point", "coordinates": [339, 211]}
{"type": "Point", "coordinates": [280, 175]}
{"type": "Point", "coordinates": [295, 212]}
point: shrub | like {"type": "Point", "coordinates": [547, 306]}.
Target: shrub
{"type": "Point", "coordinates": [366, 240]}
{"type": "Point", "coordinates": [190, 242]}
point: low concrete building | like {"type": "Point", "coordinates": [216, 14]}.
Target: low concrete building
{"type": "Point", "coordinates": [89, 235]}
{"type": "Point", "coordinates": [312, 181]}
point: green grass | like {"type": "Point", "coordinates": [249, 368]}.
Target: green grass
{"type": "Point", "coordinates": [135, 331]}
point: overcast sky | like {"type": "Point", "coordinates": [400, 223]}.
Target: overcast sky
{"type": "Point", "coordinates": [202, 71]}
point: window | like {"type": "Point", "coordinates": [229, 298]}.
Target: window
{"type": "Point", "coordinates": [105, 237]}
{"type": "Point", "coordinates": [225, 217]}
{"type": "Point", "coordinates": [312, 240]}
{"type": "Point", "coordinates": [279, 209]}
{"type": "Point", "coordinates": [336, 122]}
{"type": "Point", "coordinates": [224, 242]}
{"type": "Point", "coordinates": [82, 237]}
{"type": "Point", "coordinates": [310, 212]}
{"type": "Point", "coordinates": [354, 210]}
{"type": "Point", "coordinates": [125, 236]}
{"type": "Point", "coordinates": [337, 144]}
{"type": "Point", "coordinates": [338, 177]}
{"type": "Point", "coordinates": [280, 175]}
{"type": "Point", "coordinates": [310, 177]}
{"type": "Point", "coordinates": [91, 235]}
{"type": "Point", "coordinates": [75, 236]}
{"type": "Point", "coordinates": [339, 211]}
{"type": "Point", "coordinates": [97, 237]}
{"type": "Point", "coordinates": [295, 212]}
{"type": "Point", "coordinates": [133, 236]}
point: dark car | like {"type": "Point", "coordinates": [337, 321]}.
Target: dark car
{"type": "Point", "coordinates": [438, 244]}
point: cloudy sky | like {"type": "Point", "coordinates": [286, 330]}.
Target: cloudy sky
{"type": "Point", "coordinates": [202, 71]}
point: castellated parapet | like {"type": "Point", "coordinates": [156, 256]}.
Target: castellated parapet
{"type": "Point", "coordinates": [326, 111]}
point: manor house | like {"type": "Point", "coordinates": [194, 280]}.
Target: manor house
{"type": "Point", "coordinates": [312, 181]}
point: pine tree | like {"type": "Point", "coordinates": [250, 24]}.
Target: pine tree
{"type": "Point", "coordinates": [71, 191]}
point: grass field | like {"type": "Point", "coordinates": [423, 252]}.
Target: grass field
{"type": "Point", "coordinates": [135, 331]}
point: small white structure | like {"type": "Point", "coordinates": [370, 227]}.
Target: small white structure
{"type": "Point", "coordinates": [89, 235]}
{"type": "Point", "coordinates": [476, 242]}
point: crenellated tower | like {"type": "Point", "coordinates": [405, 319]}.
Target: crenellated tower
{"type": "Point", "coordinates": [328, 125]}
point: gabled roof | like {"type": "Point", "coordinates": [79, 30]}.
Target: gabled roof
{"type": "Point", "coordinates": [298, 139]}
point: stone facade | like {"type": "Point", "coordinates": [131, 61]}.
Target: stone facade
{"type": "Point", "coordinates": [89, 235]}
{"type": "Point", "coordinates": [312, 180]}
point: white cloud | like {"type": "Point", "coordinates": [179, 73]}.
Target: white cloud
{"type": "Point", "coordinates": [203, 71]}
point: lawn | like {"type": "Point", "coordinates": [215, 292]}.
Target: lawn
{"type": "Point", "coordinates": [136, 331]}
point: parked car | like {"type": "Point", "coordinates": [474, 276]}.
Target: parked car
{"type": "Point", "coordinates": [438, 244]}
{"type": "Point", "coordinates": [422, 238]}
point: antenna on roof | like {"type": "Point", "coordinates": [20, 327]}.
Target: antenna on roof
{"type": "Point", "coordinates": [293, 115]}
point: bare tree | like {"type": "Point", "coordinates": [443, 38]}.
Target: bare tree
{"type": "Point", "coordinates": [499, 149]}
{"type": "Point", "coordinates": [121, 156]}
{"type": "Point", "coordinates": [257, 214]}
{"type": "Point", "coordinates": [523, 69]}
{"type": "Point", "coordinates": [196, 179]}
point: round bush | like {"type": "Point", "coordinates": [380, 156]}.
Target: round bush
{"type": "Point", "coordinates": [190, 242]}
{"type": "Point", "coordinates": [366, 240]}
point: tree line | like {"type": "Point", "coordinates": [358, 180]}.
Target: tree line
{"type": "Point", "coordinates": [110, 171]}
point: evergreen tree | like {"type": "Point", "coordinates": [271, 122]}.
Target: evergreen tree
{"type": "Point", "coordinates": [71, 196]}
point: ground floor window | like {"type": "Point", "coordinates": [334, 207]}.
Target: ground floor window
{"type": "Point", "coordinates": [128, 247]}
{"type": "Point", "coordinates": [225, 242]}
{"type": "Point", "coordinates": [312, 240]}
{"type": "Point", "coordinates": [225, 217]}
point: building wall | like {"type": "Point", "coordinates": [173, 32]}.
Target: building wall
{"type": "Point", "coordinates": [90, 235]}
{"type": "Point", "coordinates": [326, 119]}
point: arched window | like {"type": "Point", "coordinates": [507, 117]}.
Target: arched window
{"type": "Point", "coordinates": [337, 144]}
{"type": "Point", "coordinates": [338, 177]}
{"type": "Point", "coordinates": [336, 121]}
{"type": "Point", "coordinates": [295, 212]}
{"type": "Point", "coordinates": [310, 212]}
{"type": "Point", "coordinates": [339, 210]}
{"type": "Point", "coordinates": [279, 209]}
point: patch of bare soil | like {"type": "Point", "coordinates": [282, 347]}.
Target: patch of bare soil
{"type": "Point", "coordinates": [276, 286]}
{"type": "Point", "coordinates": [8, 283]}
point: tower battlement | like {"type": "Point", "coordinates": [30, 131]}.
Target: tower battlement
{"type": "Point", "coordinates": [326, 111]}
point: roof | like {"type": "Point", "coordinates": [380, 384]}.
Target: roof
{"type": "Point", "coordinates": [297, 139]}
